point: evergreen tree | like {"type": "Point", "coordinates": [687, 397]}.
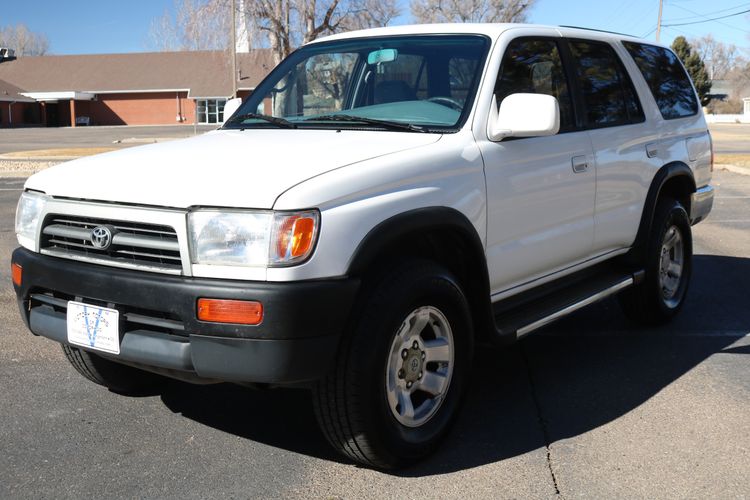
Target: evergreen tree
{"type": "Point", "coordinates": [695, 67]}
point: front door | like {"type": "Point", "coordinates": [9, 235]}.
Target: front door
{"type": "Point", "coordinates": [540, 190]}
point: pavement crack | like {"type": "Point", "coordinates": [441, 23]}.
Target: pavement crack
{"type": "Point", "coordinates": [540, 417]}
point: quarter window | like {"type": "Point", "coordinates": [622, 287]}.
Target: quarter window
{"type": "Point", "coordinates": [666, 78]}
{"type": "Point", "coordinates": [534, 66]}
{"type": "Point", "coordinates": [210, 110]}
{"type": "Point", "coordinates": [608, 94]}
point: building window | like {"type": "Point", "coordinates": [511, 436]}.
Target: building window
{"type": "Point", "coordinates": [210, 110]}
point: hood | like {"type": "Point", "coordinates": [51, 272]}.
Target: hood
{"type": "Point", "coordinates": [223, 168]}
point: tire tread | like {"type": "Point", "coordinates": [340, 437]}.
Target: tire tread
{"type": "Point", "coordinates": [338, 414]}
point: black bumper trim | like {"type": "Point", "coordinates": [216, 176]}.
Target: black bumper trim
{"type": "Point", "coordinates": [211, 358]}
{"type": "Point", "coordinates": [296, 342]}
{"type": "Point", "coordinates": [291, 310]}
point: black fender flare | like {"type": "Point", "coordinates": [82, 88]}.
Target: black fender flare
{"type": "Point", "coordinates": [664, 174]}
{"type": "Point", "coordinates": [437, 218]}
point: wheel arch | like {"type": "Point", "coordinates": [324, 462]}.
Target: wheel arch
{"type": "Point", "coordinates": [675, 180]}
{"type": "Point", "coordinates": [440, 234]}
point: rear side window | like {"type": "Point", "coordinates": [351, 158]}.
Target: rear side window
{"type": "Point", "coordinates": [534, 66]}
{"type": "Point", "coordinates": [608, 94]}
{"type": "Point", "coordinates": [668, 81]}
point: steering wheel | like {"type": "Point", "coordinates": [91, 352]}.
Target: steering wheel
{"type": "Point", "coordinates": [447, 101]}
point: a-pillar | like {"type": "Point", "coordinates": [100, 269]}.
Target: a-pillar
{"type": "Point", "coordinates": [72, 112]}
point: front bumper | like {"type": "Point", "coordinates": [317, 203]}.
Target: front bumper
{"type": "Point", "coordinates": [296, 342]}
{"type": "Point", "coordinates": [701, 203]}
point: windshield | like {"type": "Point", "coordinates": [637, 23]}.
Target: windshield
{"type": "Point", "coordinates": [411, 83]}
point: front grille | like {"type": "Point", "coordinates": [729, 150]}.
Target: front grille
{"type": "Point", "coordinates": [135, 245]}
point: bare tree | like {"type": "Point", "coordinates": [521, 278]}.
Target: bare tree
{"type": "Point", "coordinates": [284, 25]}
{"type": "Point", "coordinates": [24, 41]}
{"type": "Point", "coordinates": [281, 25]}
{"type": "Point", "coordinates": [195, 25]}
{"type": "Point", "coordinates": [470, 11]}
{"type": "Point", "coordinates": [371, 14]}
{"type": "Point", "coordinates": [719, 58]}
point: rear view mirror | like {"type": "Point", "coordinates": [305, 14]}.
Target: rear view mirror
{"type": "Point", "coordinates": [382, 56]}
{"type": "Point", "coordinates": [524, 115]}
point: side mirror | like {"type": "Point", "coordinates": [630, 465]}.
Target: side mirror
{"type": "Point", "coordinates": [524, 115]}
{"type": "Point", "coordinates": [231, 106]}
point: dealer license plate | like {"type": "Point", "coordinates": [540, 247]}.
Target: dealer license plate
{"type": "Point", "coordinates": [94, 327]}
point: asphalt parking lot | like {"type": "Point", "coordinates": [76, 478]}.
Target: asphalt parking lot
{"type": "Point", "coordinates": [590, 407]}
{"type": "Point", "coordinates": [731, 138]}
{"type": "Point", "coordinates": [33, 139]}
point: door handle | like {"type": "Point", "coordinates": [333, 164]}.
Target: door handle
{"type": "Point", "coordinates": [580, 164]}
{"type": "Point", "coordinates": [652, 150]}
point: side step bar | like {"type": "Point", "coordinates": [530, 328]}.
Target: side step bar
{"type": "Point", "coordinates": [556, 300]}
{"type": "Point", "coordinates": [574, 307]}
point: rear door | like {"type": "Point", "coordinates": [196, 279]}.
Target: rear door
{"type": "Point", "coordinates": [625, 144]}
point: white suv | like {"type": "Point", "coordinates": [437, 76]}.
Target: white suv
{"type": "Point", "coordinates": [382, 201]}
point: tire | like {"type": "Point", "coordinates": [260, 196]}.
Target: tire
{"type": "Point", "coordinates": [116, 377]}
{"type": "Point", "coordinates": [660, 296]}
{"type": "Point", "coordinates": [388, 364]}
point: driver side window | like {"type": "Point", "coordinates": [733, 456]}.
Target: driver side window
{"type": "Point", "coordinates": [534, 66]}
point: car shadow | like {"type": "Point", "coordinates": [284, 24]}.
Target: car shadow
{"type": "Point", "coordinates": [574, 376]}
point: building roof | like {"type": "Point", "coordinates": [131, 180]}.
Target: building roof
{"type": "Point", "coordinates": [202, 73]}
{"type": "Point", "coordinates": [721, 87]}
{"type": "Point", "coordinates": [11, 93]}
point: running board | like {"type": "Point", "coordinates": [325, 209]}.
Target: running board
{"type": "Point", "coordinates": [542, 309]}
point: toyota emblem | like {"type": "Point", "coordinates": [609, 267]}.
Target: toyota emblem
{"type": "Point", "coordinates": [101, 237]}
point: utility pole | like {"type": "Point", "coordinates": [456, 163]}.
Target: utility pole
{"type": "Point", "coordinates": [234, 48]}
{"type": "Point", "coordinates": [658, 22]}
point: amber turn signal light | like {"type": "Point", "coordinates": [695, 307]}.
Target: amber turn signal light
{"type": "Point", "coordinates": [243, 312]}
{"type": "Point", "coordinates": [295, 237]}
{"type": "Point", "coordinates": [16, 273]}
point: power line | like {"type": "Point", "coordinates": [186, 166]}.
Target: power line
{"type": "Point", "coordinates": [647, 34]}
{"type": "Point", "coordinates": [718, 22]}
{"type": "Point", "coordinates": [742, 5]}
{"type": "Point", "coordinates": [707, 20]}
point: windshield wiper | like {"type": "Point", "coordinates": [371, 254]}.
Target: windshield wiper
{"type": "Point", "coordinates": [372, 121]}
{"type": "Point", "coordinates": [270, 119]}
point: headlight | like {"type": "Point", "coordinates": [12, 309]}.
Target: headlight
{"type": "Point", "coordinates": [28, 214]}
{"type": "Point", "coordinates": [252, 238]}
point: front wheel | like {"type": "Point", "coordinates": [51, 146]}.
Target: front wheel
{"type": "Point", "coordinates": [401, 374]}
{"type": "Point", "coordinates": [668, 267]}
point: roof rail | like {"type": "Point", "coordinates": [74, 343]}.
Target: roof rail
{"type": "Point", "coordinates": [599, 31]}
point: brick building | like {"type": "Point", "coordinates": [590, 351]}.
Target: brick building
{"type": "Point", "coordinates": [156, 88]}
{"type": "Point", "coordinates": [16, 108]}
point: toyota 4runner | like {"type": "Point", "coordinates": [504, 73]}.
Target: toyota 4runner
{"type": "Point", "coordinates": [384, 200]}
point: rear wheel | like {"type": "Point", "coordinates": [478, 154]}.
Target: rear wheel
{"type": "Point", "coordinates": [400, 375]}
{"type": "Point", "coordinates": [668, 267]}
{"type": "Point", "coordinates": [115, 376]}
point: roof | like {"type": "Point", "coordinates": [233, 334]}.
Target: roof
{"type": "Point", "coordinates": [721, 87]}
{"type": "Point", "coordinates": [492, 30]}
{"type": "Point", "coordinates": [11, 93]}
{"type": "Point", "coordinates": [202, 73]}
